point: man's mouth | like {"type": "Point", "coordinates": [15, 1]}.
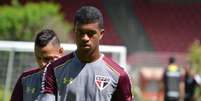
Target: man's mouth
{"type": "Point", "coordinates": [85, 45]}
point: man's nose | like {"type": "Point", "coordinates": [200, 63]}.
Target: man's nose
{"type": "Point", "coordinates": [85, 37]}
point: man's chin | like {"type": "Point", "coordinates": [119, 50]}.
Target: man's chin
{"type": "Point", "coordinates": [85, 49]}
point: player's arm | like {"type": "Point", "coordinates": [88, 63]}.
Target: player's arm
{"type": "Point", "coordinates": [17, 94]}
{"type": "Point", "coordinates": [123, 91]}
{"type": "Point", "coordinates": [48, 88]}
{"type": "Point", "coordinates": [182, 90]}
{"type": "Point", "coordinates": [182, 85]}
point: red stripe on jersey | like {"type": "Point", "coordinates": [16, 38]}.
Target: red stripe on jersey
{"type": "Point", "coordinates": [114, 66]}
{"type": "Point", "coordinates": [61, 60]}
{"type": "Point", "coordinates": [49, 83]}
{"type": "Point", "coordinates": [123, 90]}
{"type": "Point", "coordinates": [31, 71]}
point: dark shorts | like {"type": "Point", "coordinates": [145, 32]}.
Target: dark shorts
{"type": "Point", "coordinates": [171, 99]}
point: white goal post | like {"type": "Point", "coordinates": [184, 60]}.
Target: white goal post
{"type": "Point", "coordinates": [20, 46]}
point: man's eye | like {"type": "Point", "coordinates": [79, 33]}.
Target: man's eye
{"type": "Point", "coordinates": [48, 59]}
{"type": "Point", "coordinates": [88, 32]}
{"type": "Point", "coordinates": [91, 33]}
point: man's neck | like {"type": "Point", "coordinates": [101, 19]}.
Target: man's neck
{"type": "Point", "coordinates": [88, 57]}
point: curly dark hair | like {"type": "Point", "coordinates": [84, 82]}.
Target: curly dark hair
{"type": "Point", "coordinates": [88, 14]}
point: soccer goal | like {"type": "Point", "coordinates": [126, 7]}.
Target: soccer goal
{"type": "Point", "coordinates": [15, 57]}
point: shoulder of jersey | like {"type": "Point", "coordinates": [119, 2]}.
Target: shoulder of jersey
{"type": "Point", "coordinates": [61, 60]}
{"type": "Point", "coordinates": [114, 66]}
{"type": "Point", "coordinates": [31, 71]}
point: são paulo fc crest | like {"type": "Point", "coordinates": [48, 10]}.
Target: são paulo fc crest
{"type": "Point", "coordinates": [101, 81]}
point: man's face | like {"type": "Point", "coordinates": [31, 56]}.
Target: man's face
{"type": "Point", "coordinates": [47, 54]}
{"type": "Point", "coordinates": [88, 36]}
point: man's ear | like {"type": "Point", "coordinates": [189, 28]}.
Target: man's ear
{"type": "Point", "coordinates": [61, 50]}
{"type": "Point", "coordinates": [101, 34]}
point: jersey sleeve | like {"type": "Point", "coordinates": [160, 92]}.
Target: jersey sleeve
{"type": "Point", "coordinates": [17, 94]}
{"type": "Point", "coordinates": [49, 81]}
{"type": "Point", "coordinates": [123, 91]}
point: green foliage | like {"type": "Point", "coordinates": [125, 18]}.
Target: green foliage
{"type": "Point", "coordinates": [195, 56]}
{"type": "Point", "coordinates": [2, 97]}
{"type": "Point", "coordinates": [198, 94]}
{"type": "Point", "coordinates": [135, 89]}
{"type": "Point", "coordinates": [137, 93]}
{"type": "Point", "coordinates": [22, 22]}
{"type": "Point", "coordinates": [1, 93]}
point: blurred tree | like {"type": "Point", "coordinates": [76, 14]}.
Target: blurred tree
{"type": "Point", "coordinates": [194, 56]}
{"type": "Point", "coordinates": [22, 22]}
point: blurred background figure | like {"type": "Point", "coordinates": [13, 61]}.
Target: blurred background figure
{"type": "Point", "coordinates": [192, 81]}
{"type": "Point", "coordinates": [173, 82]}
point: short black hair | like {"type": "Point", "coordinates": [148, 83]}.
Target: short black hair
{"type": "Point", "coordinates": [88, 14]}
{"type": "Point", "coordinates": [45, 36]}
{"type": "Point", "coordinates": [172, 60]}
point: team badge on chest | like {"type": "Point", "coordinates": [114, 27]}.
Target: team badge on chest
{"type": "Point", "coordinates": [102, 81]}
